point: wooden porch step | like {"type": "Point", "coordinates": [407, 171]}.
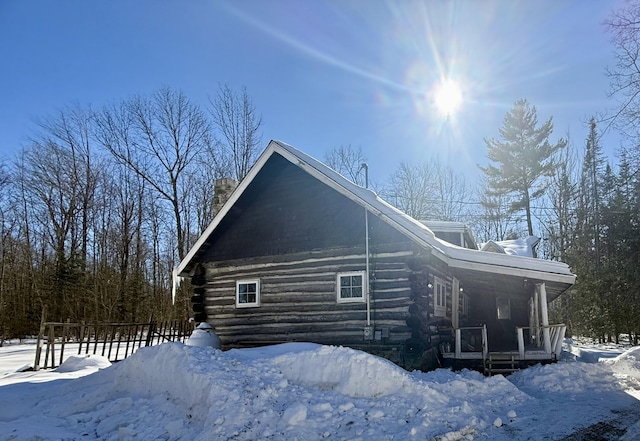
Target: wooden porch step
{"type": "Point", "coordinates": [501, 364]}
{"type": "Point", "coordinates": [495, 371]}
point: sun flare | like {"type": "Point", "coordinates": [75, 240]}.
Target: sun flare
{"type": "Point", "coordinates": [448, 97]}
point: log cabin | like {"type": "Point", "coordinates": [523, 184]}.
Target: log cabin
{"type": "Point", "coordinates": [300, 253]}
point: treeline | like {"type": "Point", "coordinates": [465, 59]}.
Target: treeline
{"type": "Point", "coordinates": [585, 209]}
{"type": "Point", "coordinates": [603, 243]}
{"type": "Point", "coordinates": [102, 204]}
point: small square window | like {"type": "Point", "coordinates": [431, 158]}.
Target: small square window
{"type": "Point", "coordinates": [247, 293]}
{"type": "Point", "coordinates": [351, 287]}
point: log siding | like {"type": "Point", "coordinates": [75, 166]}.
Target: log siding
{"type": "Point", "coordinates": [295, 234]}
{"type": "Point", "coordinates": [298, 299]}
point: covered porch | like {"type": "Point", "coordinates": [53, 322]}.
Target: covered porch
{"type": "Point", "coordinates": [500, 320]}
{"type": "Point", "coordinates": [530, 350]}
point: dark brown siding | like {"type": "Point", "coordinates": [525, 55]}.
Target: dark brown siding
{"type": "Point", "coordinates": [286, 211]}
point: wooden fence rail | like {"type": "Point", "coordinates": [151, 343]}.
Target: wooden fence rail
{"type": "Point", "coordinates": [115, 341]}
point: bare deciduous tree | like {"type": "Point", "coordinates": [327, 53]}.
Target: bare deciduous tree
{"type": "Point", "coordinates": [71, 129]}
{"type": "Point", "coordinates": [429, 191]}
{"type": "Point", "coordinates": [158, 138]}
{"type": "Point", "coordinates": [494, 221]}
{"type": "Point", "coordinates": [348, 161]}
{"type": "Point", "coordinates": [451, 192]}
{"type": "Point", "coordinates": [5, 230]}
{"type": "Point", "coordinates": [238, 125]}
{"type": "Point", "coordinates": [55, 200]}
{"type": "Point", "coordinates": [411, 190]}
{"type": "Point", "coordinates": [624, 27]}
{"type": "Point", "coordinates": [562, 195]}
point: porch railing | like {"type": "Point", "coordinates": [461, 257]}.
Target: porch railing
{"type": "Point", "coordinates": [540, 338]}
{"type": "Point", "coordinates": [469, 343]}
{"type": "Point", "coordinates": [534, 343]}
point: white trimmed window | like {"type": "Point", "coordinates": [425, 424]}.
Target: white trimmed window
{"type": "Point", "coordinates": [465, 304]}
{"type": "Point", "coordinates": [247, 293]}
{"type": "Point", "coordinates": [351, 287]}
{"type": "Point", "coordinates": [439, 298]}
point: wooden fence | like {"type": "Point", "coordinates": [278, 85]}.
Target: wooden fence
{"type": "Point", "coordinates": [115, 341]}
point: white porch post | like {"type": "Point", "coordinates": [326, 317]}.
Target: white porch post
{"type": "Point", "coordinates": [455, 302]}
{"type": "Point", "coordinates": [545, 318]}
{"type": "Point", "coordinates": [536, 313]}
{"type": "Point", "coordinates": [520, 343]}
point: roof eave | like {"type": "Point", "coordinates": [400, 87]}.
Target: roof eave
{"type": "Point", "coordinates": [452, 255]}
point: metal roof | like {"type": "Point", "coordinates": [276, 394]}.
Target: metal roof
{"type": "Point", "coordinates": [486, 269]}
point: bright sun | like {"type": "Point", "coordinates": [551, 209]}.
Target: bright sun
{"type": "Point", "coordinates": [448, 97]}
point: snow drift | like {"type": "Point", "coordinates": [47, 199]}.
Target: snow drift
{"type": "Point", "coordinates": [302, 391]}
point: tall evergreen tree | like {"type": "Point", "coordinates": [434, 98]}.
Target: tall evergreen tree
{"type": "Point", "coordinates": [523, 157]}
{"type": "Point", "coordinates": [621, 249]}
{"type": "Point", "coordinates": [585, 257]}
{"type": "Point", "coordinates": [590, 191]}
{"type": "Point", "coordinates": [561, 195]}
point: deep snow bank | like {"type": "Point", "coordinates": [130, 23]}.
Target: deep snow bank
{"type": "Point", "coordinates": [303, 392]}
{"type": "Point", "coordinates": [292, 391]}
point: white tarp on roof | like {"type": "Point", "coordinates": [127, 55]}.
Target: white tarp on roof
{"type": "Point", "coordinates": [517, 247]}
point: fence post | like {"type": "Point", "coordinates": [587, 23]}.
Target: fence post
{"type": "Point", "coordinates": [51, 343]}
{"type": "Point", "coordinates": [126, 350]}
{"type": "Point", "coordinates": [113, 337]}
{"type": "Point", "coordinates": [149, 334]}
{"type": "Point", "coordinates": [65, 331]}
{"type": "Point", "coordinates": [81, 337]}
{"type": "Point", "coordinates": [36, 363]}
{"type": "Point", "coordinates": [140, 334]}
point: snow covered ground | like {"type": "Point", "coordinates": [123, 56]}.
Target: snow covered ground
{"type": "Point", "coordinates": [302, 391]}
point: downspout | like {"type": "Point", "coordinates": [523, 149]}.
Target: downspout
{"type": "Point", "coordinates": [366, 251]}
{"type": "Point", "coordinates": [365, 166]}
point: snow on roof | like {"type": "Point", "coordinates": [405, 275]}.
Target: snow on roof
{"type": "Point", "coordinates": [453, 255]}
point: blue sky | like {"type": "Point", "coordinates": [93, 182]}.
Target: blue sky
{"type": "Point", "coordinates": [321, 73]}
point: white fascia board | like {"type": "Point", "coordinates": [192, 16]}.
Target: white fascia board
{"type": "Point", "coordinates": [528, 273]}
{"type": "Point", "coordinates": [510, 261]}
{"type": "Point", "coordinates": [527, 267]}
